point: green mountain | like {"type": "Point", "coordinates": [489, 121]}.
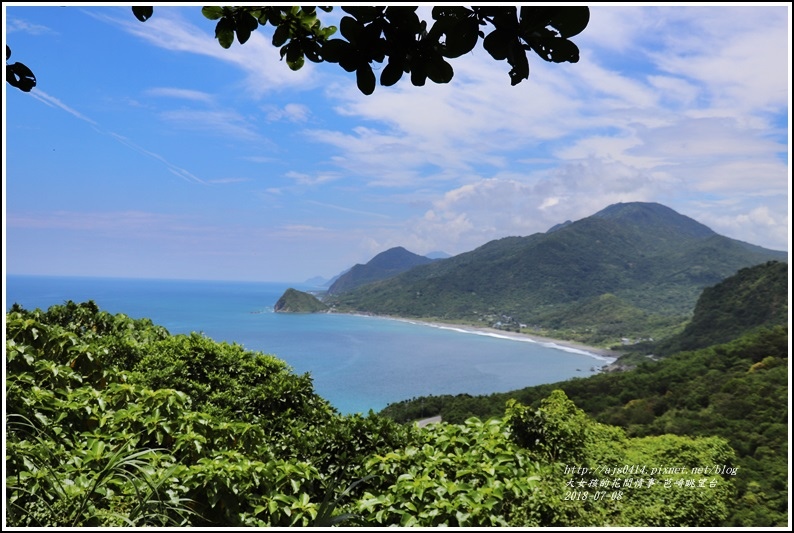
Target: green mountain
{"type": "Point", "coordinates": [732, 382]}
{"type": "Point", "coordinates": [752, 298]}
{"type": "Point", "coordinates": [644, 261]}
{"type": "Point", "coordinates": [384, 265]}
{"type": "Point", "coordinates": [295, 301]}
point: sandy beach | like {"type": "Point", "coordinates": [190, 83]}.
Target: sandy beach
{"type": "Point", "coordinates": [606, 355]}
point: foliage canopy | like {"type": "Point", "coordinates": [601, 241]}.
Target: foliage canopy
{"type": "Point", "coordinates": [397, 37]}
{"type": "Point", "coordinates": [394, 37]}
{"type": "Point", "coordinates": [112, 421]}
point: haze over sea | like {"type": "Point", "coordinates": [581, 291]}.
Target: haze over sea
{"type": "Point", "coordinates": [358, 363]}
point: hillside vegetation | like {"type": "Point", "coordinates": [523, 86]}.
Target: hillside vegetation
{"type": "Point", "coordinates": [733, 384]}
{"type": "Point", "coordinates": [112, 421]}
{"type": "Point", "coordinates": [295, 301]}
{"type": "Point", "coordinates": [753, 297]}
{"type": "Point", "coordinates": [383, 266]}
{"type": "Point", "coordinates": [632, 270]}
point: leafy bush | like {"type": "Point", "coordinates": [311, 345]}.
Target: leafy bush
{"type": "Point", "coordinates": [183, 431]}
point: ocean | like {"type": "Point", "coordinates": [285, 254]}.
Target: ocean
{"type": "Point", "coordinates": [358, 363]}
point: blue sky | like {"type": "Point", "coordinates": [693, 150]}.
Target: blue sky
{"type": "Point", "coordinates": [147, 150]}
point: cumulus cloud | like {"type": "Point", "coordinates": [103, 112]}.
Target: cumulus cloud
{"type": "Point", "coordinates": [683, 106]}
{"type": "Point", "coordinates": [473, 214]}
{"type": "Point", "coordinates": [666, 105]}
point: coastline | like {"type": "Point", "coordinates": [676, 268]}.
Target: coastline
{"type": "Point", "coordinates": [608, 357]}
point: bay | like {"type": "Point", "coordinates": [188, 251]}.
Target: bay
{"type": "Point", "coordinates": [356, 362]}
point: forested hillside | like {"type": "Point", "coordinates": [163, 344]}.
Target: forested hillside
{"type": "Point", "coordinates": [737, 390]}
{"type": "Point", "coordinates": [383, 266]}
{"type": "Point", "coordinates": [642, 262]}
{"type": "Point", "coordinates": [112, 421]}
{"type": "Point", "coordinates": [295, 301]}
{"type": "Point", "coordinates": [753, 297]}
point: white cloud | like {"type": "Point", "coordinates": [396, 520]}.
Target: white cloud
{"type": "Point", "coordinates": [682, 105]}
{"type": "Point", "coordinates": [739, 55]}
{"type": "Point", "coordinates": [763, 225]}
{"type": "Point", "coordinates": [674, 89]}
{"type": "Point", "coordinates": [667, 103]}
{"type": "Point", "coordinates": [613, 90]}
{"type": "Point", "coordinates": [258, 58]}
{"type": "Point", "coordinates": [55, 102]}
{"type": "Point", "coordinates": [290, 112]}
{"type": "Point", "coordinates": [615, 29]}
{"type": "Point", "coordinates": [109, 222]}
{"type": "Point", "coordinates": [19, 25]}
{"type": "Point", "coordinates": [347, 209]}
{"type": "Point", "coordinates": [224, 181]}
{"type": "Point", "coordinates": [223, 123]}
{"type": "Point", "coordinates": [473, 214]}
{"type": "Point", "coordinates": [301, 229]}
{"type": "Point", "coordinates": [306, 179]}
{"type": "Point", "coordinates": [185, 94]}
{"type": "Point", "coordinates": [174, 169]}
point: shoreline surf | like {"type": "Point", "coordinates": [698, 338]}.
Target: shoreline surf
{"type": "Point", "coordinates": [604, 355]}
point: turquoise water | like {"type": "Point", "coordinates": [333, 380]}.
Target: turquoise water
{"type": "Point", "coordinates": [358, 363]}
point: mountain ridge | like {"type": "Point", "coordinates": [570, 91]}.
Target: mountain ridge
{"type": "Point", "coordinates": [648, 256]}
{"type": "Point", "coordinates": [384, 265]}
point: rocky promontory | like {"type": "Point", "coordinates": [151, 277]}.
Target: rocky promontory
{"type": "Point", "coordinates": [295, 301]}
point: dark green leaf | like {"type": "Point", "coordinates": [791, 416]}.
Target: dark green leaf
{"type": "Point", "coordinates": [212, 12]}
{"type": "Point", "coordinates": [224, 32]}
{"type": "Point", "coordinates": [351, 29]}
{"type": "Point", "coordinates": [501, 16]}
{"type": "Point", "coordinates": [496, 43]}
{"type": "Point", "coordinates": [142, 13]}
{"type": "Point", "coordinates": [281, 35]}
{"type": "Point", "coordinates": [571, 20]}
{"type": "Point", "coordinates": [418, 75]}
{"type": "Point", "coordinates": [312, 51]}
{"type": "Point", "coordinates": [557, 49]}
{"type": "Point", "coordinates": [350, 61]}
{"type": "Point", "coordinates": [534, 18]}
{"type": "Point", "coordinates": [565, 50]}
{"type": "Point", "coordinates": [451, 13]}
{"type": "Point", "coordinates": [363, 14]}
{"type": "Point", "coordinates": [334, 50]}
{"type": "Point", "coordinates": [326, 32]}
{"type": "Point", "coordinates": [391, 74]}
{"type": "Point", "coordinates": [20, 76]}
{"type": "Point", "coordinates": [249, 20]}
{"type": "Point", "coordinates": [403, 16]}
{"type": "Point", "coordinates": [438, 70]}
{"type": "Point", "coordinates": [461, 37]}
{"type": "Point", "coordinates": [243, 34]}
{"type": "Point", "coordinates": [365, 79]}
{"type": "Point", "coordinates": [294, 55]}
{"type": "Point", "coordinates": [518, 60]}
{"type": "Point", "coordinates": [273, 16]}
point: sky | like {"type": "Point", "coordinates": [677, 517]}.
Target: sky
{"type": "Point", "coordinates": [146, 150]}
